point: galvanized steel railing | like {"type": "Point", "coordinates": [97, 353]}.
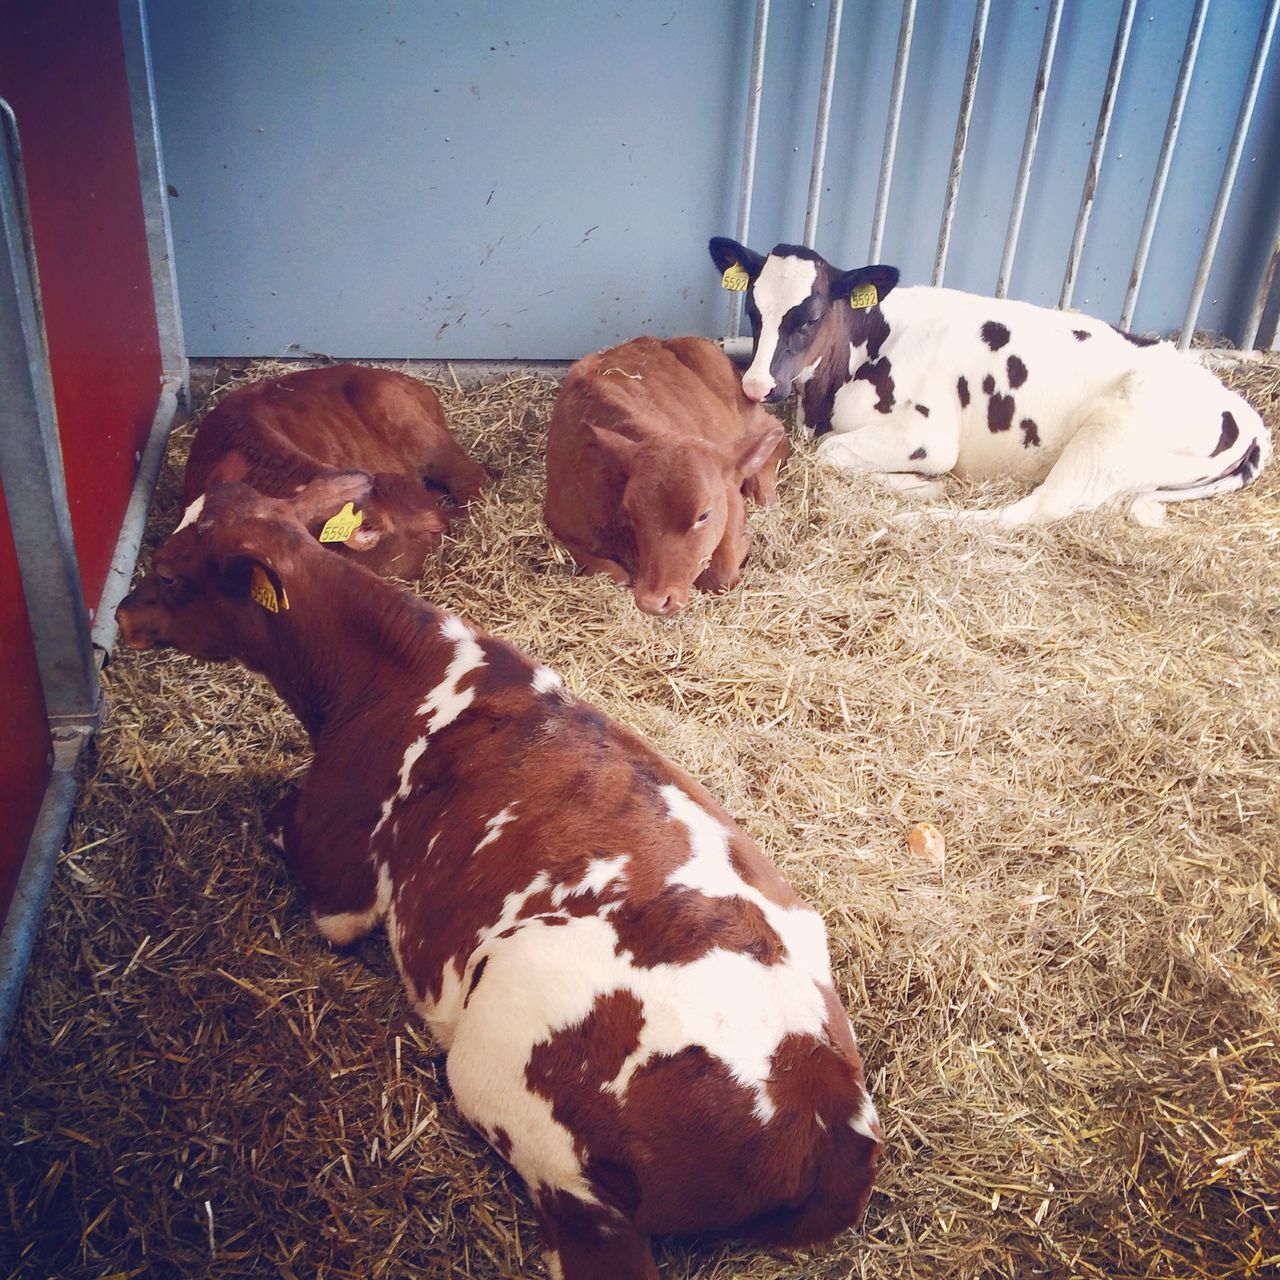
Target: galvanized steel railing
{"type": "Point", "coordinates": [1089, 192]}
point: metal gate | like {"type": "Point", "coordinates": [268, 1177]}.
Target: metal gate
{"type": "Point", "coordinates": [1256, 21]}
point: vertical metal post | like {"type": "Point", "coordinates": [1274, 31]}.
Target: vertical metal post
{"type": "Point", "coordinates": [962, 137]}
{"type": "Point", "coordinates": [824, 120]}
{"type": "Point", "coordinates": [1098, 155]}
{"type": "Point", "coordinates": [31, 463]}
{"type": "Point", "coordinates": [1254, 320]}
{"type": "Point", "coordinates": [1034, 117]}
{"type": "Point", "coordinates": [891, 129]}
{"type": "Point", "coordinates": [1260, 52]}
{"type": "Point", "coordinates": [1189, 54]}
{"type": "Point", "coordinates": [750, 146]}
{"type": "Point", "coordinates": [155, 204]}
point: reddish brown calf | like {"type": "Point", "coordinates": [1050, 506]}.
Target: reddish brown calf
{"type": "Point", "coordinates": [638, 1010]}
{"type": "Point", "coordinates": [651, 449]}
{"type": "Point", "coordinates": [280, 434]}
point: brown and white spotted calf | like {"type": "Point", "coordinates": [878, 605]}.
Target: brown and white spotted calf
{"type": "Point", "coordinates": [912, 383]}
{"type": "Point", "coordinates": [638, 1010]}
{"type": "Point", "coordinates": [278, 434]}
{"type": "Point", "coordinates": [652, 452]}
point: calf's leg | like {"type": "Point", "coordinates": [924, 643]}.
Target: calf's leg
{"type": "Point", "coordinates": [589, 562]}
{"type": "Point", "coordinates": [886, 451]}
{"type": "Point", "coordinates": [584, 1244]}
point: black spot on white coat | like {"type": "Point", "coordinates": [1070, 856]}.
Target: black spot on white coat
{"type": "Point", "coordinates": [962, 390]}
{"type": "Point", "coordinates": [919, 455]}
{"type": "Point", "coordinates": [995, 334]}
{"type": "Point", "coordinates": [1017, 373]}
{"type": "Point", "coordinates": [923, 410]}
{"type": "Point", "coordinates": [1000, 412]}
{"type": "Point", "coordinates": [1230, 434]}
{"type": "Point", "coordinates": [1082, 335]}
{"type": "Point", "coordinates": [879, 374]}
{"type": "Point", "coordinates": [1030, 433]}
{"type": "Point", "coordinates": [989, 385]}
{"type": "Point", "coordinates": [1137, 339]}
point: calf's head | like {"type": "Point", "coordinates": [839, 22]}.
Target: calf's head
{"type": "Point", "coordinates": [216, 581]}
{"type": "Point", "coordinates": [686, 512]}
{"type": "Point", "coordinates": [800, 307]}
{"type": "Point", "coordinates": [401, 522]}
{"type": "Point", "coordinates": [402, 525]}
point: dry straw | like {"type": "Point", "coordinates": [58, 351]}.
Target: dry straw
{"type": "Point", "coordinates": [1071, 1024]}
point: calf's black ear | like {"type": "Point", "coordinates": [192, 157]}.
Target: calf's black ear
{"type": "Point", "coordinates": [726, 254]}
{"type": "Point", "coordinates": [858, 285]}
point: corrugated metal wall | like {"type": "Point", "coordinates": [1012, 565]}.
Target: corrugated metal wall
{"type": "Point", "coordinates": [510, 180]}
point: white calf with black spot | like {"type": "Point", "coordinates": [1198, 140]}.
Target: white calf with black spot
{"type": "Point", "coordinates": [1096, 421]}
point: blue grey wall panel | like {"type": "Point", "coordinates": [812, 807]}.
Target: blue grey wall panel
{"type": "Point", "coordinates": [472, 179]}
{"type": "Point", "coordinates": [503, 179]}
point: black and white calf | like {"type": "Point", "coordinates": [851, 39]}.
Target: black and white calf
{"type": "Point", "coordinates": [912, 383]}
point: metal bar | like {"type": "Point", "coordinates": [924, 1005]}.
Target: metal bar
{"type": "Point", "coordinates": [819, 165]}
{"type": "Point", "coordinates": [1034, 116]}
{"type": "Point", "coordinates": [155, 204]}
{"type": "Point", "coordinates": [31, 463]}
{"type": "Point", "coordinates": [1098, 155]}
{"type": "Point", "coordinates": [125, 558]}
{"type": "Point", "coordinates": [891, 129]}
{"type": "Point", "coordinates": [1260, 52]}
{"type": "Point", "coordinates": [962, 136]}
{"type": "Point", "coordinates": [1189, 54]}
{"type": "Point", "coordinates": [1251, 325]}
{"type": "Point", "coordinates": [17, 938]}
{"type": "Point", "coordinates": [750, 145]}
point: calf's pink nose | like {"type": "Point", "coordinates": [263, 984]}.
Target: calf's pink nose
{"type": "Point", "coordinates": [659, 603]}
{"type": "Point", "coordinates": [756, 388]}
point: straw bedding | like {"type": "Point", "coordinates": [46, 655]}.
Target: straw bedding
{"type": "Point", "coordinates": [1070, 1024]}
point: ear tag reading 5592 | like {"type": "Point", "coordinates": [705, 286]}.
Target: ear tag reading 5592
{"type": "Point", "coordinates": [864, 295]}
{"type": "Point", "coordinates": [263, 592]}
{"type": "Point", "coordinates": [340, 527]}
{"type": "Point", "coordinates": [735, 279]}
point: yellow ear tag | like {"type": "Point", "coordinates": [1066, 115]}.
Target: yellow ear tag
{"type": "Point", "coordinates": [864, 295]}
{"type": "Point", "coordinates": [340, 527]}
{"type": "Point", "coordinates": [262, 592]}
{"type": "Point", "coordinates": [735, 279]}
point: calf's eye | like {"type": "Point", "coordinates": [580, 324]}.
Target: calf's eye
{"type": "Point", "coordinates": [166, 579]}
{"type": "Point", "coordinates": [703, 518]}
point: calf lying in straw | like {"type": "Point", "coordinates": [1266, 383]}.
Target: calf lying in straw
{"type": "Point", "coordinates": [638, 1010]}
{"type": "Point", "coordinates": [279, 434]}
{"type": "Point", "coordinates": [651, 453]}
{"type": "Point", "coordinates": [913, 383]}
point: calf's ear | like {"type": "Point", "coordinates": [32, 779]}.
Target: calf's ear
{"type": "Point", "coordinates": [326, 495]}
{"type": "Point", "coordinates": [856, 285]}
{"type": "Point", "coordinates": [754, 450]}
{"type": "Point", "coordinates": [616, 446]}
{"type": "Point", "coordinates": [726, 253]}
{"type": "Point", "coordinates": [249, 574]}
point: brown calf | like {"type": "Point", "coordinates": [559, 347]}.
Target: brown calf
{"type": "Point", "coordinates": [651, 449]}
{"type": "Point", "coordinates": [280, 434]}
{"type": "Point", "coordinates": [638, 1010]}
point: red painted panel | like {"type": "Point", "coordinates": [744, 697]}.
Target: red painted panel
{"type": "Point", "coordinates": [62, 71]}
{"type": "Point", "coordinates": [24, 733]}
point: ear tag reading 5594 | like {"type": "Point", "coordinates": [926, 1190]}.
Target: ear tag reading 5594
{"type": "Point", "coordinates": [263, 592]}
{"type": "Point", "coordinates": [340, 527]}
{"type": "Point", "coordinates": [735, 279]}
{"type": "Point", "coordinates": [864, 295]}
